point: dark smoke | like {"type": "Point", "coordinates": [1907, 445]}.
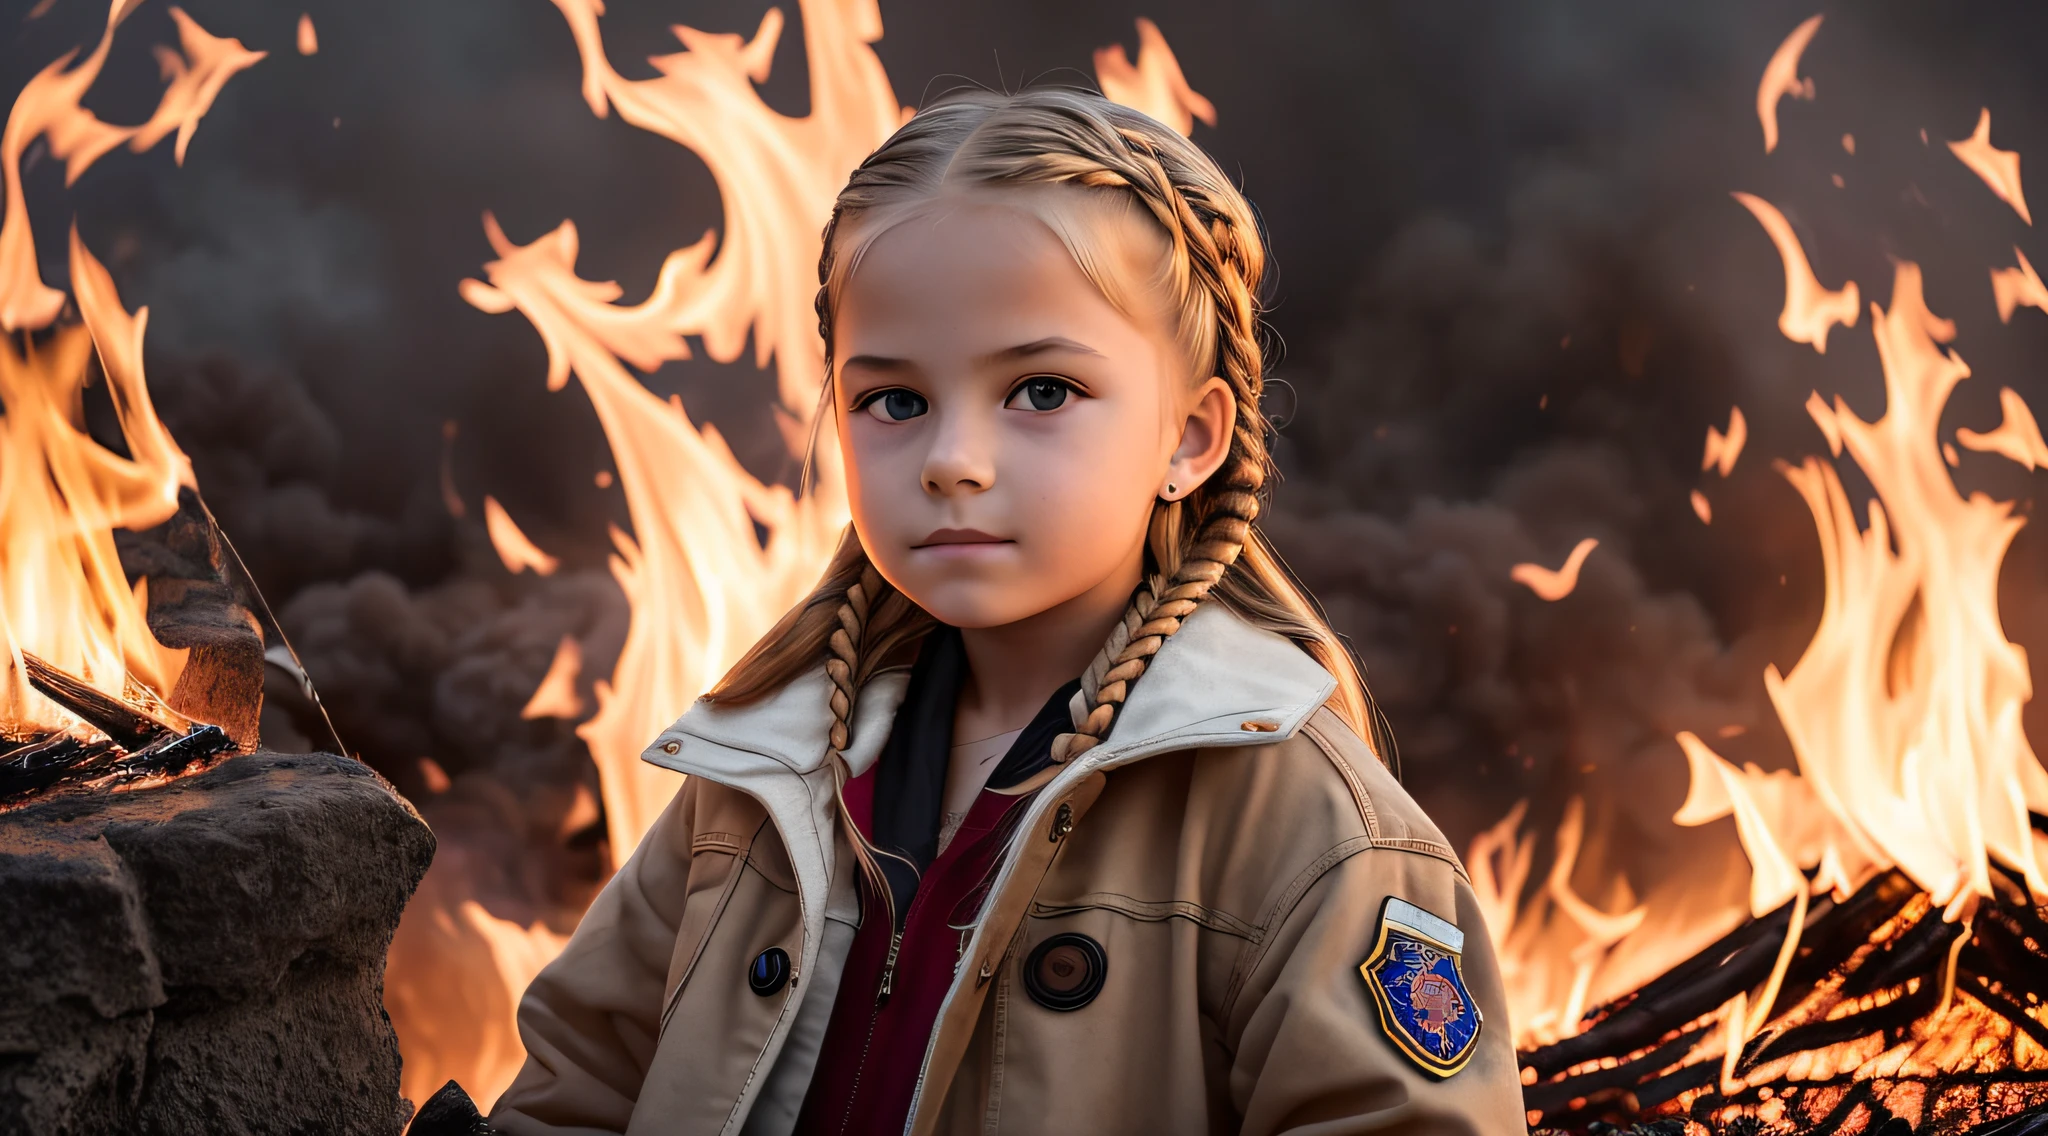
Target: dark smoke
{"type": "Point", "coordinates": [1512, 289]}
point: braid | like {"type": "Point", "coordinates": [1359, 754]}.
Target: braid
{"type": "Point", "coordinates": [844, 665]}
{"type": "Point", "coordinates": [1205, 240]}
{"type": "Point", "coordinates": [1202, 547]}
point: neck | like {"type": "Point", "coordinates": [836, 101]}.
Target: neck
{"type": "Point", "coordinates": [1014, 668]}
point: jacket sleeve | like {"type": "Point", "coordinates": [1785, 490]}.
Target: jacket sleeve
{"type": "Point", "coordinates": [1311, 1054]}
{"type": "Point", "coordinates": [592, 1017]}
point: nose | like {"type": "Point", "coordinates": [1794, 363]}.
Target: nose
{"type": "Point", "coordinates": [961, 459]}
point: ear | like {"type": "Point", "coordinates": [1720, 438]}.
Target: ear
{"type": "Point", "coordinates": [1204, 439]}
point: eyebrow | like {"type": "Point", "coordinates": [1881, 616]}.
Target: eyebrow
{"type": "Point", "coordinates": [1039, 347]}
{"type": "Point", "coordinates": [1006, 355]}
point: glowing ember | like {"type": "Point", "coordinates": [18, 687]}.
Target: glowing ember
{"type": "Point", "coordinates": [1781, 78]}
{"type": "Point", "coordinates": [309, 40]}
{"type": "Point", "coordinates": [2000, 169]}
{"type": "Point", "coordinates": [1723, 449]}
{"type": "Point", "coordinates": [1702, 508]}
{"type": "Point", "coordinates": [514, 549]}
{"type": "Point", "coordinates": [1555, 585]}
{"type": "Point", "coordinates": [1155, 85]}
{"type": "Point", "coordinates": [1809, 308]}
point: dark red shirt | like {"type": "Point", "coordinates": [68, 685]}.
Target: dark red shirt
{"type": "Point", "coordinates": [897, 976]}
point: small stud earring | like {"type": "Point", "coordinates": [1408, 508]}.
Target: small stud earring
{"type": "Point", "coordinates": [1171, 489]}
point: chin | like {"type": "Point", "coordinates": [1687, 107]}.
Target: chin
{"type": "Point", "coordinates": [979, 606]}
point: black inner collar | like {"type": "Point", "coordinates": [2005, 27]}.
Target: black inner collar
{"type": "Point", "coordinates": [910, 776]}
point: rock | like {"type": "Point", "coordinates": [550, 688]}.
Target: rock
{"type": "Point", "coordinates": [198, 601]}
{"type": "Point", "coordinates": [206, 956]}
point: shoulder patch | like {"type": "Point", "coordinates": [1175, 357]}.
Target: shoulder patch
{"type": "Point", "coordinates": [1418, 986]}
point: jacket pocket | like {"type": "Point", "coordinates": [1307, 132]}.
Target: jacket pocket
{"type": "Point", "coordinates": [714, 871]}
{"type": "Point", "coordinates": [1148, 911]}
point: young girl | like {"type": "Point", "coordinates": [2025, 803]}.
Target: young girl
{"type": "Point", "coordinates": [922, 877]}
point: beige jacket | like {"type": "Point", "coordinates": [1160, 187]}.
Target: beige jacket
{"type": "Point", "coordinates": [1231, 845]}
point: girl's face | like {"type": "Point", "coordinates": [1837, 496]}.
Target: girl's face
{"type": "Point", "coordinates": [1006, 430]}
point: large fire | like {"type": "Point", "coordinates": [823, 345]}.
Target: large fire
{"type": "Point", "coordinates": [63, 595]}
{"type": "Point", "coordinates": [1904, 714]}
{"type": "Point", "coordinates": [716, 554]}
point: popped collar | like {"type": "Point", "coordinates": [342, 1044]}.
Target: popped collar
{"type": "Point", "coordinates": [1218, 682]}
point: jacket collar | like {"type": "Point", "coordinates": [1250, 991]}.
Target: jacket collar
{"type": "Point", "coordinates": [1218, 681]}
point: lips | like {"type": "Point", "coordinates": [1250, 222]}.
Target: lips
{"type": "Point", "coordinates": [954, 537]}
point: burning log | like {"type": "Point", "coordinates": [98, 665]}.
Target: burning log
{"type": "Point", "coordinates": [137, 744]}
{"type": "Point", "coordinates": [1889, 1018]}
{"type": "Point", "coordinates": [127, 726]}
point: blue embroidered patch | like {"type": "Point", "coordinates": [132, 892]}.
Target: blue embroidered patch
{"type": "Point", "coordinates": [1415, 979]}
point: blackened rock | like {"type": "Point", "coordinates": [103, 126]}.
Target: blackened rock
{"type": "Point", "coordinates": [206, 956]}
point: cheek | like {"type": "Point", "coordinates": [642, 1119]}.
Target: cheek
{"type": "Point", "coordinates": [874, 459]}
{"type": "Point", "coordinates": [1087, 498]}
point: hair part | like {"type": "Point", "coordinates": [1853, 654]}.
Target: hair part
{"type": "Point", "coordinates": [1088, 168]}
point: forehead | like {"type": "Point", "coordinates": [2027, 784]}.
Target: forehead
{"type": "Point", "coordinates": [962, 273]}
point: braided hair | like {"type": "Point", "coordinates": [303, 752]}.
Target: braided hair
{"type": "Point", "coordinates": [1060, 148]}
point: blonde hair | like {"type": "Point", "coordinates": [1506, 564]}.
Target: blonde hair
{"type": "Point", "coordinates": [1092, 152]}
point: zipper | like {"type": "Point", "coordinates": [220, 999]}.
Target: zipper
{"type": "Point", "coordinates": [889, 967]}
{"type": "Point", "coordinates": [875, 1015]}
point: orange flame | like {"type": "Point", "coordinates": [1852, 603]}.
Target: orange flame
{"type": "Point", "coordinates": [50, 107]}
{"type": "Point", "coordinates": [1702, 508]}
{"type": "Point", "coordinates": [1904, 711]}
{"type": "Point", "coordinates": [1723, 449]}
{"type": "Point", "coordinates": [2012, 287]}
{"type": "Point", "coordinates": [514, 549]}
{"type": "Point", "coordinates": [556, 695]}
{"type": "Point", "coordinates": [63, 594]}
{"type": "Point", "coordinates": [2017, 436]}
{"type": "Point", "coordinates": [1781, 78]}
{"type": "Point", "coordinates": [1809, 308]}
{"type": "Point", "coordinates": [1555, 585]}
{"type": "Point", "coordinates": [2000, 169]}
{"type": "Point", "coordinates": [1155, 85]}
{"type": "Point", "coordinates": [715, 555]}
{"type": "Point", "coordinates": [309, 40]}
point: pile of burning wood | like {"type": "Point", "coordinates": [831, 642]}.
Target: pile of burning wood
{"type": "Point", "coordinates": [1892, 1015]}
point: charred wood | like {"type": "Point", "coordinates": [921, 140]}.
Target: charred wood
{"type": "Point", "coordinates": [1897, 1014]}
{"type": "Point", "coordinates": [1553, 1097]}
{"type": "Point", "coordinates": [1739, 960]}
{"type": "Point", "coordinates": [39, 765]}
{"type": "Point", "coordinates": [131, 729]}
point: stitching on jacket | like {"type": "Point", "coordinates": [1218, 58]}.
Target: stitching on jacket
{"type": "Point", "coordinates": [732, 881]}
{"type": "Point", "coordinates": [754, 1071]}
{"type": "Point", "coordinates": [1359, 792]}
{"type": "Point", "coordinates": [991, 1121]}
{"type": "Point", "coordinates": [1155, 911]}
{"type": "Point", "coordinates": [1248, 959]}
{"type": "Point", "coordinates": [720, 841]}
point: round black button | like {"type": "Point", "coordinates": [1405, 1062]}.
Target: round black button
{"type": "Point", "coordinates": [769, 972]}
{"type": "Point", "coordinates": [1065, 972]}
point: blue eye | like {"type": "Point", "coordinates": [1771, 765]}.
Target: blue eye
{"type": "Point", "coordinates": [894, 405]}
{"type": "Point", "coordinates": [1040, 393]}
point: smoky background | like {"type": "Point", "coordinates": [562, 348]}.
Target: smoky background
{"type": "Point", "coordinates": [1511, 294]}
